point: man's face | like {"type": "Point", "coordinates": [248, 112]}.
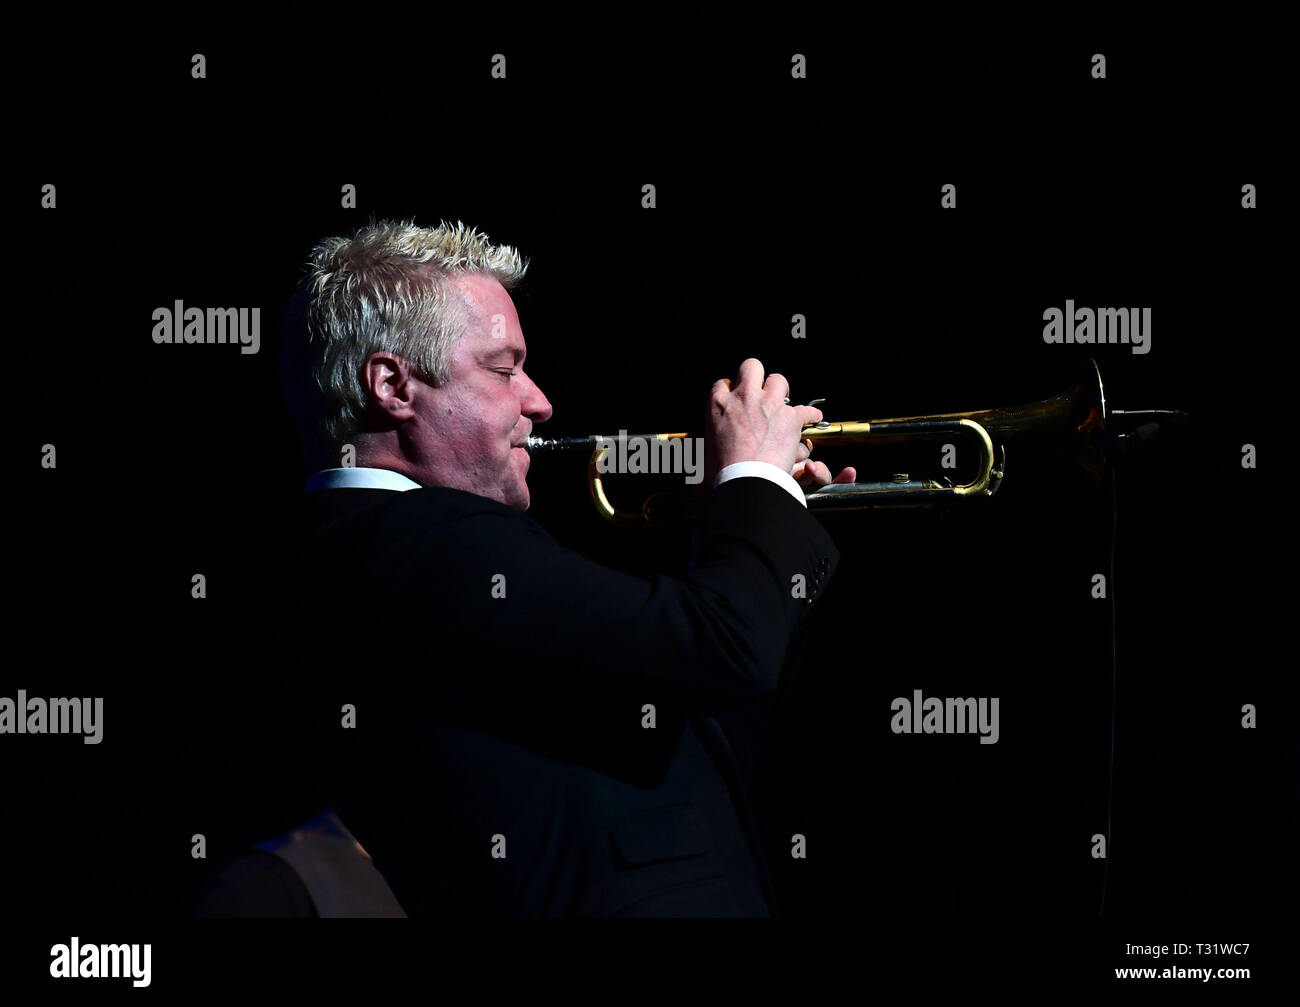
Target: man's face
{"type": "Point", "coordinates": [470, 430]}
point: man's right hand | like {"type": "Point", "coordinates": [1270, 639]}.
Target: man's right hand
{"type": "Point", "coordinates": [749, 421]}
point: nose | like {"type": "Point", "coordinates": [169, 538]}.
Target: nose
{"type": "Point", "coordinates": [534, 404]}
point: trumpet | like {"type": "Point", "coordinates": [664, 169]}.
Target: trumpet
{"type": "Point", "coordinates": [1076, 416]}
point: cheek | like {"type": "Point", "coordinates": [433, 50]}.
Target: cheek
{"type": "Point", "coordinates": [509, 412]}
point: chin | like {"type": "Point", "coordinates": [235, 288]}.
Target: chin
{"type": "Point", "coordinates": [520, 500]}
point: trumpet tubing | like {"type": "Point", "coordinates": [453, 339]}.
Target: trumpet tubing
{"type": "Point", "coordinates": [1076, 415]}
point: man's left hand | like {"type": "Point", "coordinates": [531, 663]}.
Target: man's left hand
{"type": "Point", "coordinates": [811, 475]}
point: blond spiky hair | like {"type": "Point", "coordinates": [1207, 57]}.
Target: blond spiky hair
{"type": "Point", "coordinates": [384, 289]}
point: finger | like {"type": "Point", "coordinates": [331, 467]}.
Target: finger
{"type": "Point", "coordinates": [812, 475]}
{"type": "Point", "coordinates": [808, 415]}
{"type": "Point", "coordinates": [750, 375]}
{"type": "Point", "coordinates": [848, 475]}
{"type": "Point", "coordinates": [777, 385]}
{"type": "Point", "coordinates": [719, 394]}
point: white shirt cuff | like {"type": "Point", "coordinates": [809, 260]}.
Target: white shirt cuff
{"type": "Point", "coordinates": [764, 470]}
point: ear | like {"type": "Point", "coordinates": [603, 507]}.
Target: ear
{"type": "Point", "coordinates": [390, 385]}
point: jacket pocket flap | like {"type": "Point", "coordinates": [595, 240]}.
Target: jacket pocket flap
{"type": "Point", "coordinates": [658, 834]}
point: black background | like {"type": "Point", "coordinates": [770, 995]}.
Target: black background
{"type": "Point", "coordinates": [775, 197]}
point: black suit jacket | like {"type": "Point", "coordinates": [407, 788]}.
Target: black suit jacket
{"type": "Point", "coordinates": [501, 762]}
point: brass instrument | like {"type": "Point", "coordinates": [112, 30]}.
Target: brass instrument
{"type": "Point", "coordinates": [1076, 416]}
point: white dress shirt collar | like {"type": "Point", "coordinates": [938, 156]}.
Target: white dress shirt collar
{"type": "Point", "coordinates": [360, 478]}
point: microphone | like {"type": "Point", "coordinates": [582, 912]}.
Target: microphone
{"type": "Point", "coordinates": [1130, 430]}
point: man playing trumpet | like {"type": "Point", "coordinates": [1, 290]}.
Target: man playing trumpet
{"type": "Point", "coordinates": [506, 727]}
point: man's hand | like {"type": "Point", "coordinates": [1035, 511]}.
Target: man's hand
{"type": "Point", "coordinates": [812, 475]}
{"type": "Point", "coordinates": [750, 421]}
